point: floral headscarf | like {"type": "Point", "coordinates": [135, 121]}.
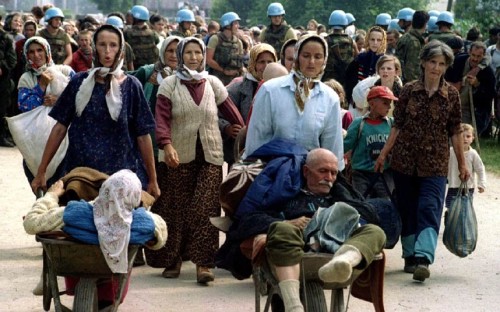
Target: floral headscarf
{"type": "Point", "coordinates": [113, 94]}
{"type": "Point", "coordinates": [302, 89]}
{"type": "Point", "coordinates": [254, 55]}
{"type": "Point", "coordinates": [183, 72]}
{"type": "Point", "coordinates": [118, 196]}
{"type": "Point", "coordinates": [46, 46]}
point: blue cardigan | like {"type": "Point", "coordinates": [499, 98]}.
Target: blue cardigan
{"type": "Point", "coordinates": [78, 221]}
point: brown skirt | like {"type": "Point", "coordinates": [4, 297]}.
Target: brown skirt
{"type": "Point", "coordinates": [189, 197]}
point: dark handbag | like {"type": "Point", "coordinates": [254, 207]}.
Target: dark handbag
{"type": "Point", "coordinates": [390, 220]}
{"type": "Point", "coordinates": [460, 225]}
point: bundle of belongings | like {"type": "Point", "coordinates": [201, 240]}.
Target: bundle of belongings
{"type": "Point", "coordinates": [107, 214]}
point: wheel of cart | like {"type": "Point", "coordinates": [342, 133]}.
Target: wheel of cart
{"type": "Point", "coordinates": [63, 256]}
{"type": "Point", "coordinates": [366, 285]}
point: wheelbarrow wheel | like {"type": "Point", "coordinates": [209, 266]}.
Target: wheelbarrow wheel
{"type": "Point", "coordinates": [277, 304]}
{"type": "Point", "coordinates": [85, 296]}
{"type": "Point", "coordinates": [47, 294]}
{"type": "Point", "coordinates": [314, 297]}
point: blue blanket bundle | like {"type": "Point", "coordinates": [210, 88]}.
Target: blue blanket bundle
{"type": "Point", "coordinates": [78, 220]}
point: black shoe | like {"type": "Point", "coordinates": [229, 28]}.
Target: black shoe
{"type": "Point", "coordinates": [410, 264]}
{"type": "Point", "coordinates": [6, 143]}
{"type": "Point", "coordinates": [422, 269]}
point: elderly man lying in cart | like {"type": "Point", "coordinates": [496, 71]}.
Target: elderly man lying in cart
{"type": "Point", "coordinates": [302, 224]}
{"type": "Point", "coordinates": [110, 221]}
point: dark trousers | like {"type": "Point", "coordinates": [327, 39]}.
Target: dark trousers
{"type": "Point", "coordinates": [420, 203]}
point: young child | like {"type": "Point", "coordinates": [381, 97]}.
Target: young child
{"type": "Point", "coordinates": [365, 139]}
{"type": "Point", "coordinates": [82, 58]}
{"type": "Point", "coordinates": [346, 115]}
{"type": "Point", "coordinates": [474, 164]}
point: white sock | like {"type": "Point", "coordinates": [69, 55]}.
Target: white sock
{"type": "Point", "coordinates": [339, 269]}
{"type": "Point", "coordinates": [290, 292]}
{"type": "Point", "coordinates": [38, 290]}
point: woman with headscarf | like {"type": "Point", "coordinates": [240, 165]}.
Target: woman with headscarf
{"type": "Point", "coordinates": [242, 93]}
{"type": "Point", "coordinates": [152, 75]}
{"type": "Point", "coordinates": [109, 117]}
{"type": "Point", "coordinates": [33, 86]}
{"type": "Point", "coordinates": [299, 107]}
{"type": "Point", "coordinates": [115, 211]}
{"type": "Point", "coordinates": [187, 132]}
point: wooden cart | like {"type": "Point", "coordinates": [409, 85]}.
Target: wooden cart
{"type": "Point", "coordinates": [63, 256]}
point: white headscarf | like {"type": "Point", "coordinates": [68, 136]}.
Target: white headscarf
{"type": "Point", "coordinates": [113, 96]}
{"type": "Point", "coordinates": [46, 46]}
{"type": "Point", "coordinates": [183, 72]}
{"type": "Point", "coordinates": [302, 89]}
{"type": "Point", "coordinates": [118, 196]}
{"type": "Point", "coordinates": [161, 68]}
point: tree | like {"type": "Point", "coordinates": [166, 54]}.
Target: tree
{"type": "Point", "coordinates": [109, 6]}
{"type": "Point", "coordinates": [480, 13]}
{"type": "Point", "coordinates": [299, 12]}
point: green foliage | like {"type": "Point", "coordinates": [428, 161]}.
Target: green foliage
{"type": "Point", "coordinates": [490, 154]}
{"type": "Point", "coordinates": [109, 6]}
{"type": "Point", "coordinates": [299, 12]}
{"type": "Point", "coordinates": [484, 13]}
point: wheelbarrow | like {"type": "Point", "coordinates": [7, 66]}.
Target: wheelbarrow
{"type": "Point", "coordinates": [63, 256]}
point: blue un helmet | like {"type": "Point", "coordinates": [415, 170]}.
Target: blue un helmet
{"type": "Point", "coordinates": [115, 21]}
{"type": "Point", "coordinates": [434, 13]}
{"type": "Point", "coordinates": [405, 14]}
{"type": "Point", "coordinates": [445, 17]}
{"type": "Point", "coordinates": [394, 25]}
{"type": "Point", "coordinates": [140, 12]}
{"type": "Point", "coordinates": [383, 19]}
{"type": "Point", "coordinates": [185, 15]}
{"type": "Point", "coordinates": [350, 18]}
{"type": "Point", "coordinates": [53, 12]}
{"type": "Point", "coordinates": [228, 18]}
{"type": "Point", "coordinates": [338, 19]}
{"type": "Point", "coordinates": [431, 24]}
{"type": "Point", "coordinates": [275, 9]}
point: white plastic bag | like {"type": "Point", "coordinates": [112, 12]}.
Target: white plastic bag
{"type": "Point", "coordinates": [360, 91]}
{"type": "Point", "coordinates": [30, 131]}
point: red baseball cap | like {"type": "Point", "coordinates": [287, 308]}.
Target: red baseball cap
{"type": "Point", "coordinates": [381, 92]}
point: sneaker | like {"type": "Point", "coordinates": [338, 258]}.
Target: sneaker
{"type": "Point", "coordinates": [410, 265]}
{"type": "Point", "coordinates": [422, 270]}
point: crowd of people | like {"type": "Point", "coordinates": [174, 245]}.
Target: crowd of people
{"type": "Point", "coordinates": [168, 101]}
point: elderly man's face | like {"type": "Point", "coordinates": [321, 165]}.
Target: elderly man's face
{"type": "Point", "coordinates": [321, 174]}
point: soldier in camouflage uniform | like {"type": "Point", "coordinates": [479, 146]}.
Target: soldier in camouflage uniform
{"type": "Point", "coordinates": [59, 41]}
{"type": "Point", "coordinates": [278, 31]}
{"type": "Point", "coordinates": [184, 18]}
{"type": "Point", "coordinates": [409, 46]}
{"type": "Point", "coordinates": [141, 38]}
{"type": "Point", "coordinates": [341, 48]}
{"type": "Point", "coordinates": [8, 60]}
{"type": "Point", "coordinates": [444, 22]}
{"type": "Point", "coordinates": [225, 50]}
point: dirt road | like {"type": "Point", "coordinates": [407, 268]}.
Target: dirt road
{"type": "Point", "coordinates": [469, 284]}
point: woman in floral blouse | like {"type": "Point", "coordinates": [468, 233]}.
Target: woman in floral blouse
{"type": "Point", "coordinates": [425, 118]}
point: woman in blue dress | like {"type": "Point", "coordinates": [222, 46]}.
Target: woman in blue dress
{"type": "Point", "coordinates": [106, 116]}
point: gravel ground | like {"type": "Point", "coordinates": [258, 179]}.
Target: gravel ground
{"type": "Point", "coordinates": [468, 284]}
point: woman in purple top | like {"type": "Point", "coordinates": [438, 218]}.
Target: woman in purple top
{"type": "Point", "coordinates": [106, 116]}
